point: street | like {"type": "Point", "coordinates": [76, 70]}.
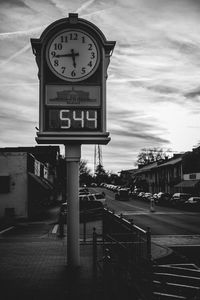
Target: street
{"type": "Point", "coordinates": [163, 221]}
{"type": "Point", "coordinates": [170, 227]}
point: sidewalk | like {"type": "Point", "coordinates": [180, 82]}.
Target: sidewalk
{"type": "Point", "coordinates": [36, 269]}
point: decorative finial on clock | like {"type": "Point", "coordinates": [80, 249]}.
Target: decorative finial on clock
{"type": "Point", "coordinates": [73, 18]}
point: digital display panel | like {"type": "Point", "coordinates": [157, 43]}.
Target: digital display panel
{"type": "Point", "coordinates": [73, 120]}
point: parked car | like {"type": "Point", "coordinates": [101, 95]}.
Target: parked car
{"type": "Point", "coordinates": [87, 197]}
{"type": "Point", "coordinates": [122, 194]}
{"type": "Point", "coordinates": [193, 203]}
{"type": "Point", "coordinates": [147, 197]}
{"type": "Point", "coordinates": [179, 198]}
{"type": "Point", "coordinates": [83, 191]}
{"type": "Point", "coordinates": [155, 196]}
{"type": "Point", "coordinates": [141, 195]}
{"type": "Point", "coordinates": [162, 198]}
{"type": "Point", "coordinates": [63, 208]}
{"type": "Point", "coordinates": [90, 208]}
{"type": "Point", "coordinates": [100, 197]}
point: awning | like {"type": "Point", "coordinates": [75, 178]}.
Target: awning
{"type": "Point", "coordinates": [187, 183]}
{"type": "Point", "coordinates": [42, 181]}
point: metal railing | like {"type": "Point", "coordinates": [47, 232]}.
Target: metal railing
{"type": "Point", "coordinates": [118, 229]}
{"type": "Point", "coordinates": [122, 254]}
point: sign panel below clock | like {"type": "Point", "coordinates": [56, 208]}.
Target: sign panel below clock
{"type": "Point", "coordinates": [73, 96]}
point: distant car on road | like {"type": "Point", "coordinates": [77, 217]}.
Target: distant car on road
{"type": "Point", "coordinates": [162, 198]}
{"type": "Point", "coordinates": [122, 194]}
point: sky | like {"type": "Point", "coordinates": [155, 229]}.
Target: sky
{"type": "Point", "coordinates": [153, 85]}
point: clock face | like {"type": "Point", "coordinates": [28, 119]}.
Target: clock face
{"type": "Point", "coordinates": [72, 55]}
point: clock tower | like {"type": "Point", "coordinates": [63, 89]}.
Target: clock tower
{"type": "Point", "coordinates": [72, 55]}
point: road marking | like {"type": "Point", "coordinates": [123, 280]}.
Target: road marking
{"type": "Point", "coordinates": [7, 229]}
{"type": "Point", "coordinates": [55, 229]}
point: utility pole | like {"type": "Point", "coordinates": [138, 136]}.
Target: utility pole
{"type": "Point", "coordinates": [98, 159]}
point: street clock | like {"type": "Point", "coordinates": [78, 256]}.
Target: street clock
{"type": "Point", "coordinates": [72, 55]}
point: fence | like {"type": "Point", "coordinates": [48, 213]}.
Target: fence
{"type": "Point", "coordinates": [122, 254]}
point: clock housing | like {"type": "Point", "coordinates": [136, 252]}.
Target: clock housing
{"type": "Point", "coordinates": [72, 55]}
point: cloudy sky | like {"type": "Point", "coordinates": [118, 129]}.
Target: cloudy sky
{"type": "Point", "coordinates": [153, 88]}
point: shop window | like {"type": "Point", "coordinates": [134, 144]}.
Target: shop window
{"type": "Point", "coordinates": [4, 184]}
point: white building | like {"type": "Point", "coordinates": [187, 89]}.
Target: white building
{"type": "Point", "coordinates": [25, 190]}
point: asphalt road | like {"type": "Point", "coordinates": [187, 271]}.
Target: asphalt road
{"type": "Point", "coordinates": [163, 221]}
{"type": "Point", "coordinates": [174, 228]}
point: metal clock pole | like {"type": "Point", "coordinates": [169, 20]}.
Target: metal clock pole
{"type": "Point", "coordinates": [72, 156]}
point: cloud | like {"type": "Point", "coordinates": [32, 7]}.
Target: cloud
{"type": "Point", "coordinates": [84, 6]}
{"type": "Point", "coordinates": [153, 83]}
{"type": "Point", "coordinates": [21, 51]}
{"type": "Point", "coordinates": [145, 136]}
{"type": "Point", "coordinates": [13, 34]}
{"type": "Point", "coordinates": [193, 94]}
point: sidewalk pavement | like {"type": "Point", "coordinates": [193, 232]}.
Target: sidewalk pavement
{"type": "Point", "coordinates": [35, 268]}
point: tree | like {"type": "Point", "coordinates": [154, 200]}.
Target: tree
{"type": "Point", "coordinates": [149, 155]}
{"type": "Point", "coordinates": [85, 173]}
{"type": "Point", "coordinates": [100, 174]}
{"type": "Point", "coordinates": [114, 179]}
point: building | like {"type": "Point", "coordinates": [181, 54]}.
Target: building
{"type": "Point", "coordinates": [181, 173]}
{"type": "Point", "coordinates": [27, 180]}
{"type": "Point", "coordinates": [127, 177]}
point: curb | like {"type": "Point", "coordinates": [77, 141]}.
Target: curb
{"type": "Point", "coordinates": [6, 229]}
